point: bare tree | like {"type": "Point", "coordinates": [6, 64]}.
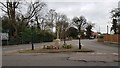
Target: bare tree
{"type": "Point", "coordinates": [0, 24]}
{"type": "Point", "coordinates": [33, 11]}
{"type": "Point", "coordinates": [10, 9]}
{"type": "Point", "coordinates": [51, 18]}
{"type": "Point", "coordinates": [57, 20]}
{"type": "Point", "coordinates": [115, 20]}
{"type": "Point", "coordinates": [79, 22]}
{"type": "Point", "coordinates": [61, 25]}
{"type": "Point", "coordinates": [89, 29]}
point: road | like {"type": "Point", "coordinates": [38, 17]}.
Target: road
{"type": "Point", "coordinates": [108, 53]}
{"type": "Point", "coordinates": [90, 44]}
{"type": "Point", "coordinates": [96, 46]}
{"type": "Point", "coordinates": [12, 48]}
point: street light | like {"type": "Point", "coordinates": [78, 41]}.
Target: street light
{"type": "Point", "coordinates": [107, 29]}
{"type": "Point", "coordinates": [32, 24]}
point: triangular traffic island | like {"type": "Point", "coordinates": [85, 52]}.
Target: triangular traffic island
{"type": "Point", "coordinates": [52, 49]}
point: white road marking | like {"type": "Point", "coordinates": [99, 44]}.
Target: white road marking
{"type": "Point", "coordinates": [115, 53]}
{"type": "Point", "coordinates": [104, 53]}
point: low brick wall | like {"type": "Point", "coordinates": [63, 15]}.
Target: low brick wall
{"type": "Point", "coordinates": [112, 38]}
{"type": "Point", "coordinates": [107, 38]}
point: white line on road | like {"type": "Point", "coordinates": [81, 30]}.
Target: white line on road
{"type": "Point", "coordinates": [105, 53]}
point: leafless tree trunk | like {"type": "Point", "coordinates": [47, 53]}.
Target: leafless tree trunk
{"type": "Point", "coordinates": [9, 8]}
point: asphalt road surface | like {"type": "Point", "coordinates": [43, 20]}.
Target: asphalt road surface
{"type": "Point", "coordinates": [96, 46]}
{"type": "Point", "coordinates": [108, 53]}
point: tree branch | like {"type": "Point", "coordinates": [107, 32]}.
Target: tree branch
{"type": "Point", "coordinates": [3, 10]}
{"type": "Point", "coordinates": [16, 5]}
{"type": "Point", "coordinates": [3, 4]}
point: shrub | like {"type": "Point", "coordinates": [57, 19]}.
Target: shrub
{"type": "Point", "coordinates": [49, 47]}
{"type": "Point", "coordinates": [101, 36]}
{"type": "Point", "coordinates": [38, 36]}
{"type": "Point", "coordinates": [48, 37]}
{"type": "Point", "coordinates": [4, 42]}
{"type": "Point", "coordinates": [14, 40]}
{"type": "Point", "coordinates": [25, 37]}
{"type": "Point", "coordinates": [67, 46]}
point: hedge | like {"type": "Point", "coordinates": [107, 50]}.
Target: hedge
{"type": "Point", "coordinates": [25, 37]}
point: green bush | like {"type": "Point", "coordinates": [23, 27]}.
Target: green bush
{"type": "Point", "coordinates": [67, 46]}
{"type": "Point", "coordinates": [38, 36]}
{"type": "Point", "coordinates": [25, 37]}
{"type": "Point", "coordinates": [101, 36]}
{"type": "Point", "coordinates": [4, 42]}
{"type": "Point", "coordinates": [49, 47]}
{"type": "Point", "coordinates": [48, 37]}
{"type": "Point", "coordinates": [14, 40]}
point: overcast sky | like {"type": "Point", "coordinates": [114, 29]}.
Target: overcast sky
{"type": "Point", "coordinates": [95, 11]}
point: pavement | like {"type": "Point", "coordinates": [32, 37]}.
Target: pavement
{"type": "Point", "coordinates": [104, 55]}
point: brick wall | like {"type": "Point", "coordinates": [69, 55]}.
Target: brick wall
{"type": "Point", "coordinates": [112, 38]}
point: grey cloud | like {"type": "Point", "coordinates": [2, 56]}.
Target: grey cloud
{"type": "Point", "coordinates": [97, 12]}
{"type": "Point", "coordinates": [94, 10]}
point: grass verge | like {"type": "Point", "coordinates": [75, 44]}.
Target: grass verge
{"type": "Point", "coordinates": [55, 50]}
